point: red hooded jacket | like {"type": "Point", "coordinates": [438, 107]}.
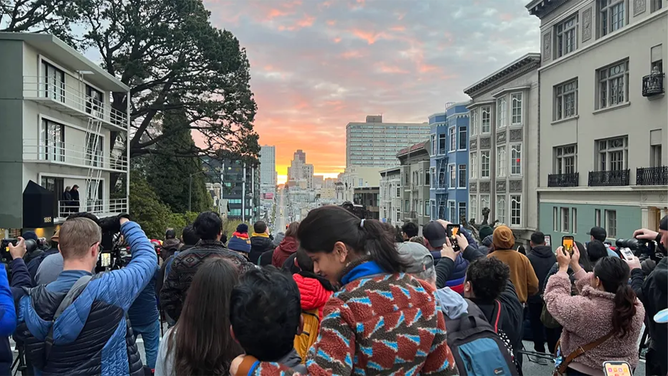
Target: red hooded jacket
{"type": "Point", "coordinates": [284, 250]}
{"type": "Point", "coordinates": [312, 293]}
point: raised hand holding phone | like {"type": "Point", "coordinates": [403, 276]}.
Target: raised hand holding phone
{"type": "Point", "coordinates": [563, 259]}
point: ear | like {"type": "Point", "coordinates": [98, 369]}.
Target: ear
{"type": "Point", "coordinates": [467, 286]}
{"type": "Point", "coordinates": [340, 251]}
{"type": "Point", "coordinates": [232, 334]}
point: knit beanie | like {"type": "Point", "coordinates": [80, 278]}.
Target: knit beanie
{"type": "Point", "coordinates": [242, 228]}
{"type": "Point", "coordinates": [485, 231]}
{"type": "Point", "coordinates": [503, 238]}
{"type": "Point", "coordinates": [29, 235]}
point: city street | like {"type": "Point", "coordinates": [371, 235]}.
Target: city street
{"type": "Point", "coordinates": [282, 214]}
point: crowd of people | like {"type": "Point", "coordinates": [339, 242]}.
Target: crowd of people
{"type": "Point", "coordinates": [333, 295]}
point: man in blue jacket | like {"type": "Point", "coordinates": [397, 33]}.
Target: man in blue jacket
{"type": "Point", "coordinates": [77, 324]}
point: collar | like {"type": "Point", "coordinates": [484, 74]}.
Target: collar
{"type": "Point", "coordinates": [243, 235]}
{"type": "Point", "coordinates": [210, 242]}
{"type": "Point", "coordinates": [262, 235]}
{"type": "Point", "coordinates": [361, 270]}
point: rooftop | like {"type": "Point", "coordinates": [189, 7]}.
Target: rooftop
{"type": "Point", "coordinates": [421, 145]}
{"type": "Point", "coordinates": [60, 51]}
{"type": "Point", "coordinates": [523, 62]}
{"type": "Point", "coordinates": [541, 8]}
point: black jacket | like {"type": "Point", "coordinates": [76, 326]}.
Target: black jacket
{"type": "Point", "coordinates": [259, 245]}
{"type": "Point", "coordinates": [542, 259]}
{"type": "Point", "coordinates": [33, 265]}
{"type": "Point", "coordinates": [652, 293]}
{"type": "Point", "coordinates": [265, 258]}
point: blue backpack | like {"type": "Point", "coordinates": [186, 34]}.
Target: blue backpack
{"type": "Point", "coordinates": [477, 345]}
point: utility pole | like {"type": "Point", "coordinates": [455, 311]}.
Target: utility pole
{"type": "Point", "coordinates": [243, 194]}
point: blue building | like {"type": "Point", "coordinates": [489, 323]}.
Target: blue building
{"type": "Point", "coordinates": [449, 163]}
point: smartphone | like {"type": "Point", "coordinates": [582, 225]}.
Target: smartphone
{"type": "Point", "coordinates": [451, 231]}
{"type": "Point", "coordinates": [617, 369]}
{"type": "Point", "coordinates": [568, 243]}
{"type": "Point", "coordinates": [548, 240]}
{"type": "Point", "coordinates": [627, 253]}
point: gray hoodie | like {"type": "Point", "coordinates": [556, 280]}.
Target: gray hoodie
{"type": "Point", "coordinates": [278, 238]}
{"type": "Point", "coordinates": [486, 245]}
{"type": "Point", "coordinates": [452, 304]}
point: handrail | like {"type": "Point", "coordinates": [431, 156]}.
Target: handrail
{"type": "Point", "coordinates": [96, 206]}
{"type": "Point", "coordinates": [41, 87]}
{"type": "Point", "coordinates": [60, 152]}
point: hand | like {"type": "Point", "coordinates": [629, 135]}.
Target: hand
{"type": "Point", "coordinates": [575, 259]}
{"type": "Point", "coordinates": [645, 234]}
{"type": "Point", "coordinates": [462, 241]}
{"type": "Point", "coordinates": [124, 220]}
{"type": "Point", "coordinates": [448, 251]}
{"type": "Point", "coordinates": [19, 250]}
{"type": "Point", "coordinates": [563, 259]}
{"type": "Point", "coordinates": [633, 263]}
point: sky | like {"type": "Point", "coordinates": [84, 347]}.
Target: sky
{"type": "Point", "coordinates": [317, 65]}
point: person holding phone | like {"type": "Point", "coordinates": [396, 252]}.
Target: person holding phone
{"type": "Point", "coordinates": [604, 320]}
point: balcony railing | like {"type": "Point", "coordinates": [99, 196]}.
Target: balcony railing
{"type": "Point", "coordinates": [71, 154]}
{"type": "Point", "coordinates": [653, 84]}
{"type": "Point", "coordinates": [609, 178]}
{"type": "Point", "coordinates": [72, 99]}
{"type": "Point", "coordinates": [563, 180]}
{"type": "Point", "coordinates": [100, 208]}
{"type": "Point", "coordinates": [652, 175]}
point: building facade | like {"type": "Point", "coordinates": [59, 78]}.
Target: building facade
{"type": "Point", "coordinates": [375, 144]}
{"type": "Point", "coordinates": [356, 177]}
{"type": "Point", "coordinates": [240, 189]}
{"type": "Point", "coordinates": [390, 196]}
{"type": "Point", "coordinates": [415, 176]}
{"type": "Point", "coordinates": [300, 173]}
{"type": "Point", "coordinates": [449, 163]}
{"type": "Point", "coordinates": [603, 123]}
{"type": "Point", "coordinates": [268, 169]}
{"type": "Point", "coordinates": [503, 147]}
{"type": "Point", "coordinates": [59, 130]}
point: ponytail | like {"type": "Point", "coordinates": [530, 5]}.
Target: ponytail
{"type": "Point", "coordinates": [614, 273]}
{"type": "Point", "coordinates": [379, 245]}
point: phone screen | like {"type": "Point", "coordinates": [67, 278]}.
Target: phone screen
{"type": "Point", "coordinates": [451, 231]}
{"type": "Point", "coordinates": [568, 242]}
{"type": "Point", "coordinates": [627, 253]}
{"type": "Point", "coordinates": [617, 369]}
{"type": "Point", "coordinates": [105, 259]}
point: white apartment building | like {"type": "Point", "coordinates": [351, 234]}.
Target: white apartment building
{"type": "Point", "coordinates": [59, 130]}
{"type": "Point", "coordinates": [376, 144]}
{"type": "Point", "coordinates": [268, 169]}
{"type": "Point", "coordinates": [356, 177]}
{"type": "Point", "coordinates": [503, 152]}
{"type": "Point", "coordinates": [390, 197]}
{"type": "Point", "coordinates": [604, 115]}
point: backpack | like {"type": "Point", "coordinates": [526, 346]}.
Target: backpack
{"type": "Point", "coordinates": [309, 334]}
{"type": "Point", "coordinates": [479, 348]}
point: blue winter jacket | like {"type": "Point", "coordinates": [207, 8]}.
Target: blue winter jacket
{"type": "Point", "coordinates": [7, 322]}
{"type": "Point", "coordinates": [93, 335]}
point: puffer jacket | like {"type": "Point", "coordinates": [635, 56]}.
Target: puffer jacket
{"type": "Point", "coordinates": [287, 247]}
{"type": "Point", "coordinates": [260, 243]}
{"type": "Point", "coordinates": [486, 245]}
{"type": "Point", "coordinates": [588, 317]}
{"type": "Point", "coordinates": [312, 293]}
{"type": "Point", "coordinates": [93, 335]}
{"type": "Point", "coordinates": [542, 260]}
{"type": "Point", "coordinates": [458, 275]}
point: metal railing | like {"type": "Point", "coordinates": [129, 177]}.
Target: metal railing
{"type": "Point", "coordinates": [652, 175]}
{"type": "Point", "coordinates": [79, 155]}
{"type": "Point", "coordinates": [563, 180]}
{"type": "Point", "coordinates": [36, 87]}
{"type": "Point", "coordinates": [609, 178]}
{"type": "Point", "coordinates": [652, 84]}
{"type": "Point", "coordinates": [98, 207]}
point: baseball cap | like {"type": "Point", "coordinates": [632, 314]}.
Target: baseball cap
{"type": "Point", "coordinates": [663, 225]}
{"type": "Point", "coordinates": [419, 258]}
{"type": "Point", "coordinates": [598, 233]}
{"type": "Point", "coordinates": [434, 232]}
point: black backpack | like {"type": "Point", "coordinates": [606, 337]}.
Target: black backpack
{"type": "Point", "coordinates": [479, 348]}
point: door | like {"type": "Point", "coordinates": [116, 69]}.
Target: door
{"type": "Point", "coordinates": [57, 186]}
{"type": "Point", "coordinates": [54, 82]}
{"type": "Point", "coordinates": [52, 141]}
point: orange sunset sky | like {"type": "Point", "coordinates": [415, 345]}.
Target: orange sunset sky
{"type": "Point", "coordinates": [317, 65]}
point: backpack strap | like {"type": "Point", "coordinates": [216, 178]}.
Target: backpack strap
{"type": "Point", "coordinates": [498, 316]}
{"type": "Point", "coordinates": [72, 294]}
{"type": "Point", "coordinates": [581, 350]}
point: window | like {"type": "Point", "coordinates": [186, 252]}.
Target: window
{"type": "Point", "coordinates": [516, 159]}
{"type": "Point", "coordinates": [453, 176]}
{"type": "Point", "coordinates": [612, 15]}
{"type": "Point", "coordinates": [93, 155]}
{"type": "Point", "coordinates": [515, 210]}
{"type": "Point", "coordinates": [611, 223]}
{"type": "Point", "coordinates": [474, 122]}
{"type": "Point", "coordinates": [565, 159]}
{"type": "Point", "coordinates": [555, 219]}
{"type": "Point", "coordinates": [407, 206]}
{"type": "Point", "coordinates": [398, 215]}
{"type": "Point", "coordinates": [426, 208]}
{"type": "Point", "coordinates": [427, 179]}
{"type": "Point", "coordinates": [656, 5]}
{"type": "Point", "coordinates": [516, 108]}
{"type": "Point", "coordinates": [54, 82]}
{"type": "Point", "coordinates": [501, 208]}
{"type": "Point", "coordinates": [613, 154]}
{"type": "Point", "coordinates": [565, 220]}
{"type": "Point", "coordinates": [565, 35]}
{"type": "Point", "coordinates": [52, 141]}
{"type": "Point", "coordinates": [484, 203]}
{"type": "Point", "coordinates": [613, 84]}
{"type": "Point", "coordinates": [484, 164]}
{"type": "Point", "coordinates": [462, 176]}
{"type": "Point", "coordinates": [566, 100]}
{"type": "Point", "coordinates": [453, 139]}
{"type": "Point", "coordinates": [419, 208]}
{"type": "Point", "coordinates": [94, 101]}
{"type": "Point", "coordinates": [473, 162]}
{"type": "Point", "coordinates": [501, 112]}
{"type": "Point", "coordinates": [462, 138]}
{"type": "Point", "coordinates": [452, 211]}
{"type": "Point", "coordinates": [574, 220]}
{"type": "Point", "coordinates": [433, 176]}
{"type": "Point", "coordinates": [398, 192]}
{"type": "Point", "coordinates": [655, 156]}
{"type": "Point", "coordinates": [486, 113]}
{"type": "Point", "coordinates": [473, 208]}
{"type": "Point", "coordinates": [361, 181]}
{"type": "Point", "coordinates": [501, 161]}
{"type": "Point", "coordinates": [597, 217]}
{"type": "Point", "coordinates": [434, 150]}
{"type": "Point", "coordinates": [462, 211]}
{"type": "Point", "coordinates": [441, 143]}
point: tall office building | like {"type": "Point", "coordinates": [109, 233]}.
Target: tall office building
{"type": "Point", "coordinates": [376, 144]}
{"type": "Point", "coordinates": [300, 171]}
{"type": "Point", "coordinates": [268, 169]}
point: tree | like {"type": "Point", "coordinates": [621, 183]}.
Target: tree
{"type": "Point", "coordinates": [146, 208]}
{"type": "Point", "coordinates": [39, 16]}
{"type": "Point", "coordinates": [178, 180]}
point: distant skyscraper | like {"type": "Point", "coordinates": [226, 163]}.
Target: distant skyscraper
{"type": "Point", "coordinates": [376, 144]}
{"type": "Point", "coordinates": [299, 170]}
{"type": "Point", "coordinates": [300, 155]}
{"type": "Point", "coordinates": [268, 169]}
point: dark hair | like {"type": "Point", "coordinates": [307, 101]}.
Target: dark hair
{"type": "Point", "coordinates": [326, 225]}
{"type": "Point", "coordinates": [410, 229]}
{"type": "Point", "coordinates": [265, 313]}
{"type": "Point", "coordinates": [538, 238]}
{"type": "Point", "coordinates": [584, 257]}
{"type": "Point", "coordinates": [208, 225]}
{"type": "Point", "coordinates": [394, 233]}
{"type": "Point", "coordinates": [489, 277]}
{"type": "Point", "coordinates": [304, 262]}
{"type": "Point", "coordinates": [170, 234]}
{"type": "Point", "coordinates": [260, 227]}
{"type": "Point", "coordinates": [291, 232]}
{"type": "Point", "coordinates": [614, 275]}
{"type": "Point", "coordinates": [189, 235]}
{"type": "Point", "coordinates": [522, 250]}
{"type": "Point", "coordinates": [596, 250]}
{"type": "Point", "coordinates": [201, 340]}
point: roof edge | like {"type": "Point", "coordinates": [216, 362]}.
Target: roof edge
{"type": "Point", "coordinates": [533, 57]}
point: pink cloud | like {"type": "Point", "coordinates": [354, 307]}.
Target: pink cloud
{"type": "Point", "coordinates": [398, 28]}
{"type": "Point", "coordinates": [369, 36]}
{"type": "Point", "coordinates": [337, 40]}
{"type": "Point", "coordinates": [385, 68]}
{"type": "Point", "coordinates": [331, 22]}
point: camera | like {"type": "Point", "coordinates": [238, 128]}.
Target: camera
{"type": "Point", "coordinates": [31, 245]}
{"type": "Point", "coordinates": [359, 210]}
{"type": "Point", "coordinates": [642, 249]}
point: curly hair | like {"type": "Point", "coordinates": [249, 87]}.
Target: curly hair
{"type": "Point", "coordinates": [488, 277]}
